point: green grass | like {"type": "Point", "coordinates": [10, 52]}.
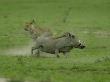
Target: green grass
{"type": "Point", "coordinates": [89, 20]}
{"type": "Point", "coordinates": [53, 69]}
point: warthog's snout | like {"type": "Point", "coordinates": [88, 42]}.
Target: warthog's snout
{"type": "Point", "coordinates": [81, 46]}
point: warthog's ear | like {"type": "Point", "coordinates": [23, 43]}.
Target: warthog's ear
{"type": "Point", "coordinates": [73, 36]}
{"type": "Point", "coordinates": [70, 35]}
{"type": "Point", "coordinates": [67, 34]}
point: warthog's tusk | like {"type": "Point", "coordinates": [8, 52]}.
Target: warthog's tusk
{"type": "Point", "coordinates": [79, 41]}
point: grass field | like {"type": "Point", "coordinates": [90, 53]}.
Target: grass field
{"type": "Point", "coordinates": [89, 20]}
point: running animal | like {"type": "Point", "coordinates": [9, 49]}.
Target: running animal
{"type": "Point", "coordinates": [62, 44]}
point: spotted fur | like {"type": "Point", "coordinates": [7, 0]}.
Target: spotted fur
{"type": "Point", "coordinates": [36, 31]}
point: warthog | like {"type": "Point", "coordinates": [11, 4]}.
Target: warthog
{"type": "Point", "coordinates": [36, 31]}
{"type": "Point", "coordinates": [62, 44]}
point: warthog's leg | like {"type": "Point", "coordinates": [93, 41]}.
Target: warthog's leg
{"type": "Point", "coordinates": [38, 50]}
{"type": "Point", "coordinates": [56, 53]}
{"type": "Point", "coordinates": [37, 53]}
{"type": "Point", "coordinates": [64, 53]}
{"type": "Point", "coordinates": [32, 49]}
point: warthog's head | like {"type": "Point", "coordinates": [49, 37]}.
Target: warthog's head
{"type": "Point", "coordinates": [73, 41]}
{"type": "Point", "coordinates": [79, 45]}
